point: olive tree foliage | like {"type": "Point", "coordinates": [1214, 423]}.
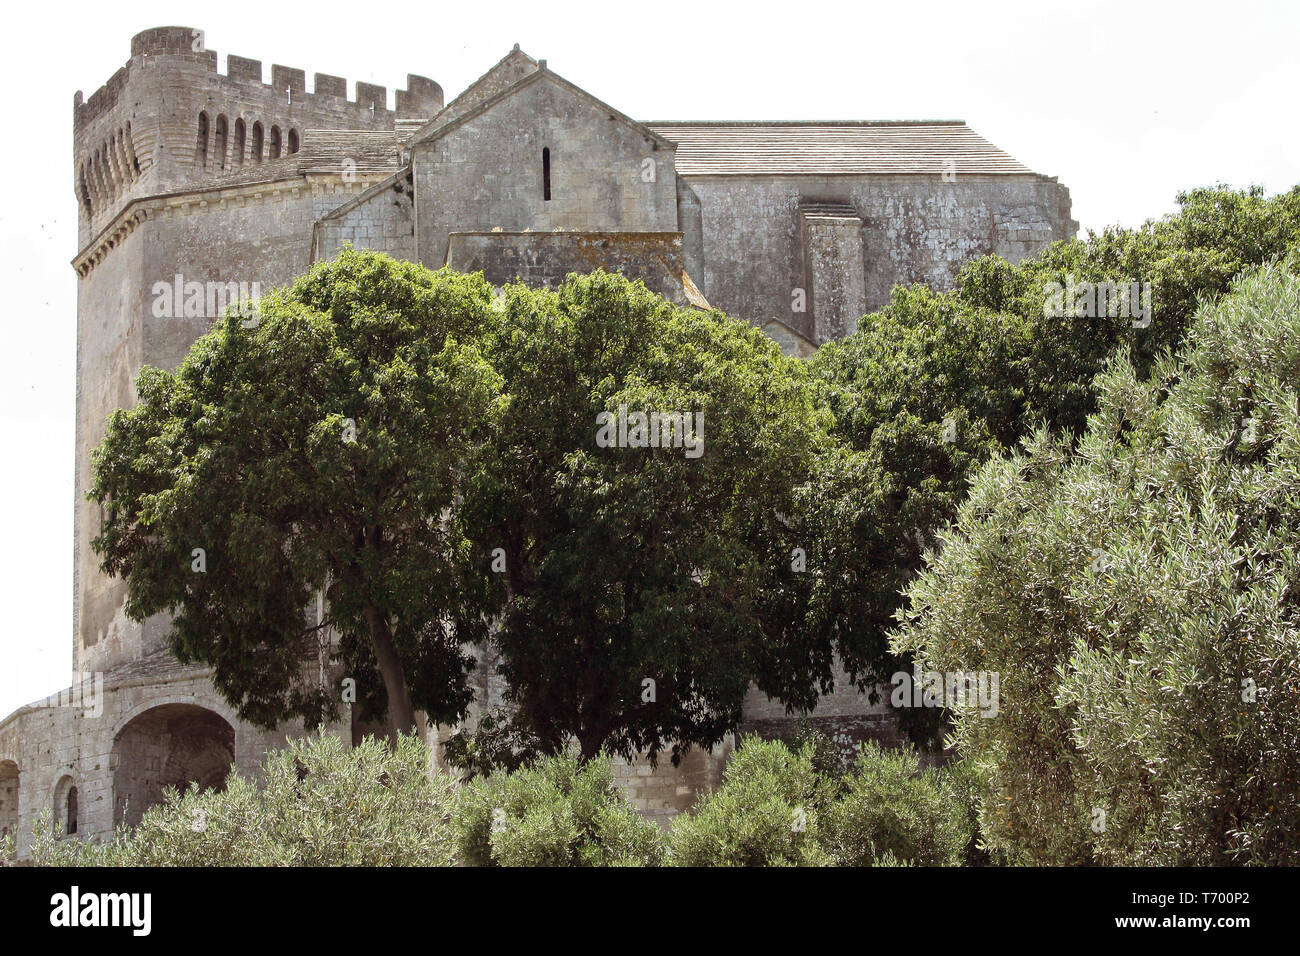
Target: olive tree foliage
{"type": "Point", "coordinates": [317, 802]}
{"type": "Point", "coordinates": [784, 806]}
{"type": "Point", "coordinates": [314, 449]}
{"type": "Point", "coordinates": [639, 589]}
{"type": "Point", "coordinates": [936, 383]}
{"type": "Point", "coordinates": [555, 811]}
{"type": "Point", "coordinates": [1139, 594]}
{"type": "Point", "coordinates": [891, 811]}
{"type": "Point", "coordinates": [770, 811]}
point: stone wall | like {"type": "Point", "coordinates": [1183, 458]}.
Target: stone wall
{"type": "Point", "coordinates": [914, 229]}
{"type": "Point", "coordinates": [846, 716]}
{"type": "Point", "coordinates": [86, 737]}
{"type": "Point", "coordinates": [663, 791]}
{"type": "Point", "coordinates": [543, 259]}
{"type": "Point", "coordinates": [110, 350]}
{"type": "Point", "coordinates": [834, 263]}
{"type": "Point", "coordinates": [382, 219]}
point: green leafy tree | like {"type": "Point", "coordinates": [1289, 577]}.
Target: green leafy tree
{"type": "Point", "coordinates": [913, 399]}
{"type": "Point", "coordinates": [769, 811]}
{"type": "Point", "coordinates": [1136, 592]}
{"type": "Point", "coordinates": [1187, 258]}
{"type": "Point", "coordinates": [556, 811]}
{"type": "Point", "coordinates": [892, 812]}
{"type": "Point", "coordinates": [640, 588]}
{"type": "Point", "coordinates": [934, 384]}
{"type": "Point", "coordinates": [316, 449]}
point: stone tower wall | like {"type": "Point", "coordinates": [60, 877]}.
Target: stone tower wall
{"type": "Point", "coordinates": [255, 236]}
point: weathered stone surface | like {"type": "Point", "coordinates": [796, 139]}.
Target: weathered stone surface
{"type": "Point", "coordinates": [543, 259]}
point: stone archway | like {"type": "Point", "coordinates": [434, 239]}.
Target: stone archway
{"type": "Point", "coordinates": [8, 798]}
{"type": "Point", "coordinates": [172, 745]}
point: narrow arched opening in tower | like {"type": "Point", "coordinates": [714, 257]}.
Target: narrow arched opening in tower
{"type": "Point", "coordinates": [201, 147]}
{"type": "Point", "coordinates": [219, 142]}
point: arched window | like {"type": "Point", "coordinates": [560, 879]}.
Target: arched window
{"type": "Point", "coordinates": [241, 135]}
{"type": "Point", "coordinates": [219, 141]}
{"type": "Point", "coordinates": [101, 181]}
{"type": "Point", "coordinates": [201, 150]}
{"type": "Point", "coordinates": [65, 806]}
{"type": "Point", "coordinates": [256, 151]}
{"type": "Point", "coordinates": [115, 166]}
{"type": "Point", "coordinates": [274, 146]}
{"type": "Point", "coordinates": [110, 167]}
{"type": "Point", "coordinates": [546, 173]}
{"type": "Point", "coordinates": [293, 141]}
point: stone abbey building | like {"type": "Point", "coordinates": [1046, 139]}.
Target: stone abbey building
{"type": "Point", "coordinates": [184, 174]}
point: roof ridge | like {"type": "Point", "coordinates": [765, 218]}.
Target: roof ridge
{"type": "Point", "coordinates": [536, 76]}
{"type": "Point", "coordinates": [488, 72]}
{"type": "Point", "coordinates": [934, 122]}
{"type": "Point", "coordinates": [456, 108]}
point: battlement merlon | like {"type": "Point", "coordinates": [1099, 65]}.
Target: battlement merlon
{"type": "Point", "coordinates": [185, 45]}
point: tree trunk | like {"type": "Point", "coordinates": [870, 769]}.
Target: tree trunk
{"type": "Point", "coordinates": [589, 744]}
{"type": "Point", "coordinates": [401, 714]}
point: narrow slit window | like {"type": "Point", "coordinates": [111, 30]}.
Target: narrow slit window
{"type": "Point", "coordinates": [201, 148]}
{"type": "Point", "coordinates": [546, 173]}
{"type": "Point", "coordinates": [219, 141]}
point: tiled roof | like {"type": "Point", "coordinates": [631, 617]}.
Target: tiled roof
{"type": "Point", "coordinates": [327, 150]}
{"type": "Point", "coordinates": [322, 151]}
{"type": "Point", "coordinates": [774, 149]}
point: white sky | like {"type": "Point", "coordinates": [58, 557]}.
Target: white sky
{"type": "Point", "coordinates": [1125, 102]}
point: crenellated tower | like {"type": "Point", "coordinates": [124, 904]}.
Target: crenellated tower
{"type": "Point", "coordinates": [167, 120]}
